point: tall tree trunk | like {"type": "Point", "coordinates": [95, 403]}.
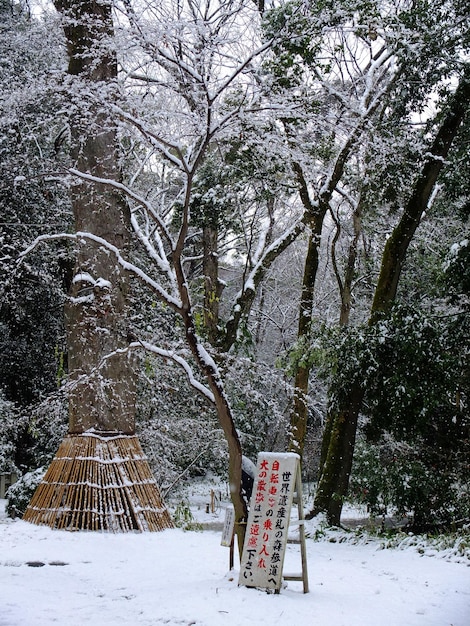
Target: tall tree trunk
{"type": "Point", "coordinates": [315, 214]}
{"type": "Point", "coordinates": [338, 448]}
{"type": "Point", "coordinates": [299, 412]}
{"type": "Point", "coordinates": [99, 479]}
{"type": "Point", "coordinates": [213, 287]}
{"type": "Point", "coordinates": [102, 393]}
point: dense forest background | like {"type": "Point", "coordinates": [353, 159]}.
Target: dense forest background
{"type": "Point", "coordinates": [297, 176]}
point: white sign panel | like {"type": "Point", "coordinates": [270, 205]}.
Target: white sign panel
{"type": "Point", "coordinates": [268, 520]}
{"type": "Point", "coordinates": [229, 523]}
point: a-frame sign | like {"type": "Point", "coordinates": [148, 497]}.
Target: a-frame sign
{"type": "Point", "coordinates": [277, 480]}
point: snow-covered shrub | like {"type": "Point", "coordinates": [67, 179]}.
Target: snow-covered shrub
{"type": "Point", "coordinates": [409, 479]}
{"type": "Point", "coordinates": [413, 367]}
{"type": "Point", "coordinates": [20, 494]}
{"type": "Point", "coordinates": [177, 428]}
{"type": "Point", "coordinates": [260, 399]}
{"type": "Point", "coordinates": [29, 438]}
{"type": "Point", "coordinates": [47, 426]}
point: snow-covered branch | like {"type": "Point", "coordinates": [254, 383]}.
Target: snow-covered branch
{"type": "Point", "coordinates": [167, 148]}
{"type": "Point", "coordinates": [246, 295]}
{"type": "Point", "coordinates": [180, 361]}
{"type": "Point", "coordinates": [130, 193]}
{"type": "Point", "coordinates": [161, 293]}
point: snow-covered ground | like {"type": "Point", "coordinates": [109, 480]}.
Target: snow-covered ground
{"type": "Point", "coordinates": [179, 577]}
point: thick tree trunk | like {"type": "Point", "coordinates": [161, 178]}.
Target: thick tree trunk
{"type": "Point", "coordinates": [338, 456]}
{"type": "Point", "coordinates": [99, 479]}
{"type": "Point", "coordinates": [397, 244]}
{"type": "Point", "coordinates": [338, 447]}
{"type": "Point", "coordinates": [102, 393]}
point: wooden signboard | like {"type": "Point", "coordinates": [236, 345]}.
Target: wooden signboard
{"type": "Point", "coordinates": [229, 524]}
{"type": "Point", "coordinates": [268, 520]}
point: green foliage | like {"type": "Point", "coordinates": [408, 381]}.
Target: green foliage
{"type": "Point", "coordinates": [411, 377]}
{"type": "Point", "coordinates": [391, 359]}
{"type": "Point", "coordinates": [415, 418]}
{"type": "Point", "coordinates": [417, 422]}
{"type": "Point", "coordinates": [298, 29]}
{"type": "Point", "coordinates": [320, 350]}
{"type": "Point", "coordinates": [215, 197]}
{"type": "Point", "coordinates": [289, 28]}
{"type": "Point", "coordinates": [414, 479]}
{"type": "Point", "coordinates": [455, 195]}
{"type": "Point", "coordinates": [183, 518]}
{"type": "Point", "coordinates": [33, 203]}
{"type": "Point", "coordinates": [61, 373]}
{"type": "Point", "coordinates": [30, 437]}
{"type": "Point", "coordinates": [457, 273]}
{"type": "Point", "coordinates": [31, 323]}
{"type": "Point", "coordinates": [47, 425]}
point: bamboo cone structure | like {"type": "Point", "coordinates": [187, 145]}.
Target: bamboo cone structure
{"type": "Point", "coordinates": [98, 482]}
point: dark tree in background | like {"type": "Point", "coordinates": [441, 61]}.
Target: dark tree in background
{"type": "Point", "coordinates": [33, 201]}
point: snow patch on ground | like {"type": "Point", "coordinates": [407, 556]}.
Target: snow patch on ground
{"type": "Point", "coordinates": [179, 577]}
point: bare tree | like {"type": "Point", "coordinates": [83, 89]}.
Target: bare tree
{"type": "Point", "coordinates": [188, 79]}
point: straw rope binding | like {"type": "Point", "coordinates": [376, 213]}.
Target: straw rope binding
{"type": "Point", "coordinates": [99, 482]}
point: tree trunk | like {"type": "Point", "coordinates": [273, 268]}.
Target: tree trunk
{"type": "Point", "coordinates": [397, 244]}
{"type": "Point", "coordinates": [212, 286]}
{"type": "Point", "coordinates": [346, 285]}
{"type": "Point", "coordinates": [209, 369]}
{"type": "Point", "coordinates": [338, 448]}
{"type": "Point", "coordinates": [341, 437]}
{"type": "Point", "coordinates": [102, 393]}
{"type": "Point", "coordinates": [299, 413]}
{"type": "Point", "coordinates": [99, 479]}
{"type": "Point", "coordinates": [315, 215]}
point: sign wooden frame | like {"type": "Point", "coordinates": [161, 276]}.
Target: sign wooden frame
{"type": "Point", "coordinates": [277, 481]}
